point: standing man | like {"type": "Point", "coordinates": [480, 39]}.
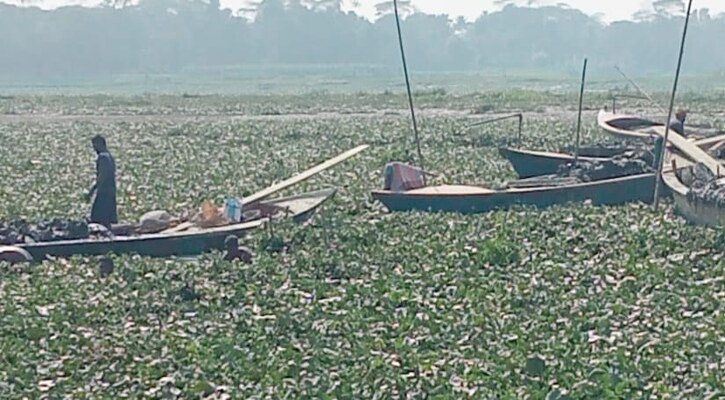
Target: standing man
{"type": "Point", "coordinates": [104, 205]}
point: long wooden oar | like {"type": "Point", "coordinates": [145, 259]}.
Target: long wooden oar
{"type": "Point", "coordinates": [262, 194]}
{"type": "Point", "coordinates": [689, 149]}
{"type": "Point", "coordinates": [710, 140]}
{"type": "Point", "coordinates": [303, 176]}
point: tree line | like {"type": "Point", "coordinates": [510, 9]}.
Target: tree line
{"type": "Point", "coordinates": [166, 36]}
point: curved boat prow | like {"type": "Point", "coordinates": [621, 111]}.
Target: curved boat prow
{"type": "Point", "coordinates": [625, 126]}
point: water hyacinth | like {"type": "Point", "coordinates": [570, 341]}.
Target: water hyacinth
{"type": "Point", "coordinates": [572, 302]}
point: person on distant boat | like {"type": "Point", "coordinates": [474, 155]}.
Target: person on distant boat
{"type": "Point", "coordinates": [234, 252]}
{"type": "Point", "coordinates": [678, 125]}
{"type": "Point", "coordinates": [104, 210]}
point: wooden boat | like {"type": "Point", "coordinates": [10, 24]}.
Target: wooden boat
{"type": "Point", "coordinates": [191, 242]}
{"type": "Point", "coordinates": [529, 163]}
{"type": "Point", "coordinates": [477, 199]}
{"type": "Point", "coordinates": [625, 126]}
{"type": "Point", "coordinates": [635, 128]}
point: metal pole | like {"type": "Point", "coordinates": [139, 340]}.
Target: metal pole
{"type": "Point", "coordinates": [488, 121]}
{"type": "Point", "coordinates": [520, 116]}
{"type": "Point", "coordinates": [672, 106]}
{"type": "Point", "coordinates": [407, 84]}
{"type": "Point", "coordinates": [579, 117]}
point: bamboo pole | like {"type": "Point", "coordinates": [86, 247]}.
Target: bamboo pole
{"type": "Point", "coordinates": [579, 117]}
{"type": "Point", "coordinates": [658, 180]}
{"type": "Point", "coordinates": [407, 85]}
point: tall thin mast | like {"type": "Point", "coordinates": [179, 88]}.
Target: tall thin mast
{"type": "Point", "coordinates": [661, 159]}
{"type": "Point", "coordinates": [410, 93]}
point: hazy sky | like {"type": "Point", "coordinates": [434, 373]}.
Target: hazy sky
{"type": "Point", "coordinates": [610, 10]}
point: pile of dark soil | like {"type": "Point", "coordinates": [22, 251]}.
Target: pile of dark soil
{"type": "Point", "coordinates": [627, 164]}
{"type": "Point", "coordinates": [45, 231]}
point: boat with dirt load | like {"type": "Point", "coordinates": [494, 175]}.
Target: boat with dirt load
{"type": "Point", "coordinates": [612, 182]}
{"type": "Point", "coordinates": [192, 241]}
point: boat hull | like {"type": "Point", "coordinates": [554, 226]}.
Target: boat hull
{"type": "Point", "coordinates": [188, 243]}
{"type": "Point", "coordinates": [636, 188]}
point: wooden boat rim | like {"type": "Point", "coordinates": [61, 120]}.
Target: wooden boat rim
{"type": "Point", "coordinates": [673, 182]}
{"type": "Point", "coordinates": [482, 191]}
{"type": "Point", "coordinates": [548, 154]}
{"type": "Point", "coordinates": [322, 194]}
{"type": "Point", "coordinates": [604, 119]}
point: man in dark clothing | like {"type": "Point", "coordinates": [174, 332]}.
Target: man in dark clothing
{"type": "Point", "coordinates": [104, 205]}
{"type": "Point", "coordinates": [678, 125]}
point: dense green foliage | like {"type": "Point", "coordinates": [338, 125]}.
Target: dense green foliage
{"type": "Point", "coordinates": [573, 302]}
{"type": "Point", "coordinates": [162, 36]}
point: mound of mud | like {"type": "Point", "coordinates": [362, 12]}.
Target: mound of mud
{"type": "Point", "coordinates": [626, 164]}
{"type": "Point", "coordinates": [45, 231]}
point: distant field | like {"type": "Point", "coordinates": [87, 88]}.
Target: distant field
{"type": "Point", "coordinates": [572, 302]}
{"type": "Point", "coordinates": [281, 79]}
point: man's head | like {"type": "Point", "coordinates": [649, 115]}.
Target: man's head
{"type": "Point", "coordinates": [99, 143]}
{"type": "Point", "coordinates": [681, 115]}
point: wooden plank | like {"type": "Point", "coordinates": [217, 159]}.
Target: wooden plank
{"type": "Point", "coordinates": [710, 140]}
{"type": "Point", "coordinates": [690, 149]}
{"type": "Point", "coordinates": [261, 195]}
